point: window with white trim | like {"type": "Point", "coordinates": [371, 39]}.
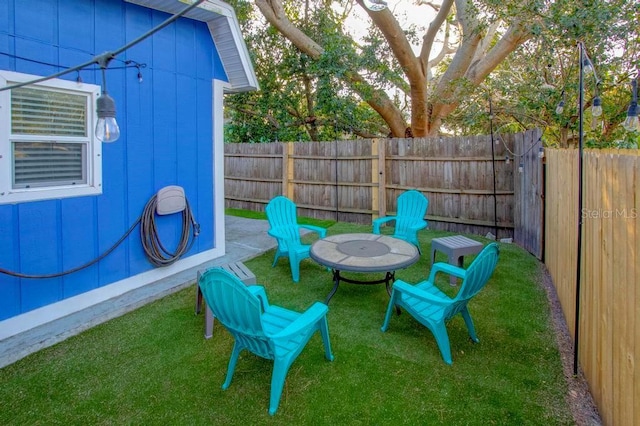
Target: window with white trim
{"type": "Point", "coordinates": [47, 146]}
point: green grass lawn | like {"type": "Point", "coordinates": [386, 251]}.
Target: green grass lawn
{"type": "Point", "coordinates": [153, 366]}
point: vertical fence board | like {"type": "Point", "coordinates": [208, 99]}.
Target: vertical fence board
{"type": "Point", "coordinates": [528, 201]}
{"type": "Point", "coordinates": [633, 359]}
{"type": "Point", "coordinates": [589, 360]}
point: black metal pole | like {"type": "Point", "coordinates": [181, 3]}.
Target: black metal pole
{"type": "Point", "coordinates": [579, 248]}
{"type": "Point", "coordinates": [493, 163]}
{"type": "Point", "coordinates": [336, 171]}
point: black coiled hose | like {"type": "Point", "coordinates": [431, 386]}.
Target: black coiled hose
{"type": "Point", "coordinates": [151, 244]}
{"type": "Point", "coordinates": [156, 253]}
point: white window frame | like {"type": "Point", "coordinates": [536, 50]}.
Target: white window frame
{"type": "Point", "coordinates": [92, 161]}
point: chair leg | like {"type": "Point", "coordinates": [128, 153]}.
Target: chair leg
{"type": "Point", "coordinates": [324, 332]}
{"type": "Point", "coordinates": [280, 369]}
{"type": "Point", "coordinates": [469, 322]}
{"type": "Point", "coordinates": [387, 317]}
{"type": "Point", "coordinates": [442, 339]}
{"type": "Point", "coordinates": [294, 263]}
{"type": "Point", "coordinates": [232, 364]}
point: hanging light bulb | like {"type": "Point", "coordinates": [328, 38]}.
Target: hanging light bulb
{"type": "Point", "coordinates": [587, 66]}
{"type": "Point", "coordinates": [507, 160]}
{"type": "Point", "coordinates": [107, 129]}
{"type": "Point", "coordinates": [560, 106]}
{"type": "Point", "coordinates": [596, 107]}
{"type": "Point", "coordinates": [375, 5]}
{"type": "Point", "coordinates": [632, 124]}
{"type": "Point", "coordinates": [541, 152]}
{"type": "Point", "coordinates": [139, 74]}
{"type": "Point", "coordinates": [520, 167]}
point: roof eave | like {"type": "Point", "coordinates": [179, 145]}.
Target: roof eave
{"type": "Point", "coordinates": [224, 27]}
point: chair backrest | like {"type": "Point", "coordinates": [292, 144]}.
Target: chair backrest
{"type": "Point", "coordinates": [412, 204]}
{"type": "Point", "coordinates": [281, 215]}
{"type": "Point", "coordinates": [237, 308]}
{"type": "Point", "coordinates": [479, 272]}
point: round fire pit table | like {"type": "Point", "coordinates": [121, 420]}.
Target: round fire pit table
{"type": "Point", "coordinates": [363, 253]}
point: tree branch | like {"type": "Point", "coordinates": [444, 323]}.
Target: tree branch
{"type": "Point", "coordinates": [377, 99]}
{"type": "Point", "coordinates": [432, 31]}
{"type": "Point", "coordinates": [514, 37]}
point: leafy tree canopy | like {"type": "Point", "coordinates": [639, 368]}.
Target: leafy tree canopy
{"type": "Point", "coordinates": [319, 82]}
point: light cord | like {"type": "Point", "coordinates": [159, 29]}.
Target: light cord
{"type": "Point", "coordinates": [104, 58]}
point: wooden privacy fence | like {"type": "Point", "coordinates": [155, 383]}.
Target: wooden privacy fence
{"type": "Point", "coordinates": [609, 289]}
{"type": "Point", "coordinates": [468, 181]}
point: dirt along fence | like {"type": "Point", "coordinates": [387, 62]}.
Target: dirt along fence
{"type": "Point", "coordinates": [475, 184]}
{"type": "Point", "coordinates": [600, 279]}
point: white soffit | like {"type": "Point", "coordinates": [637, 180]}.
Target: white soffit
{"type": "Point", "coordinates": [225, 32]}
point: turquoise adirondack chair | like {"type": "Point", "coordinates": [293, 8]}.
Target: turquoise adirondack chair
{"type": "Point", "coordinates": [432, 308]}
{"type": "Point", "coordinates": [282, 217]}
{"type": "Point", "coordinates": [266, 330]}
{"type": "Point", "coordinates": [409, 218]}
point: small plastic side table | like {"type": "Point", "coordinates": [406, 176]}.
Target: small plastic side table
{"type": "Point", "coordinates": [455, 247]}
{"type": "Point", "coordinates": [239, 270]}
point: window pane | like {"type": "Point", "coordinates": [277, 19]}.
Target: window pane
{"type": "Point", "coordinates": [38, 164]}
{"type": "Point", "coordinates": [47, 112]}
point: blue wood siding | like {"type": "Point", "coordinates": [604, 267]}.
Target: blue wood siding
{"type": "Point", "coordinates": [166, 139]}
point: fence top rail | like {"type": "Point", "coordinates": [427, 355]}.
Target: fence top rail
{"type": "Point", "coordinates": [605, 151]}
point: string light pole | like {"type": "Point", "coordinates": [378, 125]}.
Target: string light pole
{"type": "Point", "coordinates": [585, 66]}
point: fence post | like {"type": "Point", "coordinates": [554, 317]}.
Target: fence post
{"type": "Point", "coordinates": [375, 206]}
{"type": "Point", "coordinates": [287, 170]}
{"type": "Point", "coordinates": [378, 194]}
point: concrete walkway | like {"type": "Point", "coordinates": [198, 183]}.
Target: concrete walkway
{"type": "Point", "coordinates": [245, 239]}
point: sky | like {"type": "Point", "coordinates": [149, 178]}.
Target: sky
{"type": "Point", "coordinates": [407, 12]}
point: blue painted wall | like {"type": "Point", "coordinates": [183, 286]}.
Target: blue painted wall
{"type": "Point", "coordinates": [166, 139]}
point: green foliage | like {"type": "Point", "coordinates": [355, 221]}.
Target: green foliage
{"type": "Point", "coordinates": [300, 99]}
{"type": "Point", "coordinates": [153, 366]}
{"type": "Point", "coordinates": [528, 85]}
{"type": "Point", "coordinates": [305, 99]}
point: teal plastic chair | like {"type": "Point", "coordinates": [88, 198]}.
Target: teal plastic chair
{"type": "Point", "coordinates": [433, 308]}
{"type": "Point", "coordinates": [282, 217]}
{"type": "Point", "coordinates": [266, 330]}
{"type": "Point", "coordinates": [409, 218]}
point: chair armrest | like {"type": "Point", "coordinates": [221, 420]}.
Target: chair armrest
{"type": "Point", "coordinates": [418, 225]}
{"type": "Point", "coordinates": [380, 221]}
{"type": "Point", "coordinates": [320, 231]}
{"type": "Point", "coordinates": [446, 268]}
{"type": "Point", "coordinates": [258, 291]}
{"type": "Point", "coordinates": [412, 291]}
{"type": "Point", "coordinates": [276, 234]}
{"type": "Point", "coordinates": [308, 318]}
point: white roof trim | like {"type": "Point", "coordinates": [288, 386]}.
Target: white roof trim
{"type": "Point", "coordinates": [225, 31]}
